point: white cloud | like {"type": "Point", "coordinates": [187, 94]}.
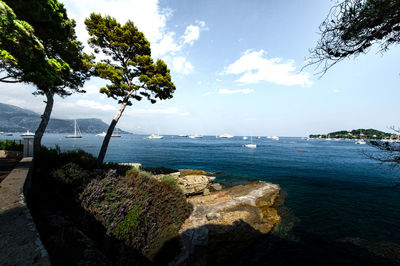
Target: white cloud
{"type": "Point", "coordinates": [147, 15]}
{"type": "Point", "coordinates": [166, 45]}
{"type": "Point", "coordinates": [192, 32]}
{"type": "Point", "coordinates": [182, 66]}
{"type": "Point", "coordinates": [95, 105]}
{"type": "Point", "coordinates": [244, 91]}
{"type": "Point", "coordinates": [254, 68]}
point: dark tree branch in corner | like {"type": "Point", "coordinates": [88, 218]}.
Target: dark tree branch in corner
{"type": "Point", "coordinates": [353, 26]}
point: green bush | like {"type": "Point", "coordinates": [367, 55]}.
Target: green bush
{"type": "Point", "coordinates": [71, 174]}
{"type": "Point", "coordinates": [169, 179]}
{"type": "Point", "coordinates": [10, 145]}
{"type": "Point", "coordinates": [133, 209]}
{"type": "Point", "coordinates": [51, 159]}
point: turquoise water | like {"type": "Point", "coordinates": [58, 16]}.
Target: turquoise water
{"type": "Point", "coordinates": [332, 188]}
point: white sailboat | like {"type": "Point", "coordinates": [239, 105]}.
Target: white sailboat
{"type": "Point", "coordinates": [250, 145]}
{"type": "Point", "coordinates": [76, 134]}
{"type": "Point", "coordinates": [102, 134]}
{"type": "Point", "coordinates": [226, 136]}
{"type": "Point", "coordinates": [360, 141]}
{"type": "Point", "coordinates": [152, 136]}
{"type": "Point", "coordinates": [116, 135]}
{"type": "Point", "coordinates": [245, 138]}
{"type": "Point", "coordinates": [195, 136]}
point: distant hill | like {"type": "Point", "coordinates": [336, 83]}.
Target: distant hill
{"type": "Point", "coordinates": [16, 119]}
{"type": "Point", "coordinates": [356, 134]}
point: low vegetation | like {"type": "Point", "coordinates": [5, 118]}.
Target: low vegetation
{"type": "Point", "coordinates": [122, 206]}
{"type": "Point", "coordinates": [10, 145]}
{"type": "Point", "coordinates": [132, 208]}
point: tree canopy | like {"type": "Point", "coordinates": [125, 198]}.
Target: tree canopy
{"type": "Point", "coordinates": [127, 64]}
{"type": "Point", "coordinates": [353, 26]}
{"type": "Point", "coordinates": [38, 46]}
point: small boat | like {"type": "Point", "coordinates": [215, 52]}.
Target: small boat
{"type": "Point", "coordinates": [102, 134]}
{"type": "Point", "coordinates": [195, 136]}
{"type": "Point", "coordinates": [8, 134]}
{"type": "Point", "coordinates": [116, 135]}
{"type": "Point", "coordinates": [226, 136]}
{"type": "Point", "coordinates": [183, 135]}
{"type": "Point", "coordinates": [27, 133]}
{"type": "Point", "coordinates": [245, 138]}
{"type": "Point", "coordinates": [152, 136]}
{"type": "Point", "coordinates": [258, 137]}
{"type": "Point", "coordinates": [76, 130]}
{"type": "Point", "coordinates": [250, 145]}
{"type": "Point", "coordinates": [360, 141]}
{"type": "Point", "coordinates": [273, 137]}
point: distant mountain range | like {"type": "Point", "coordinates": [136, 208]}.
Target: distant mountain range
{"type": "Point", "coordinates": [16, 119]}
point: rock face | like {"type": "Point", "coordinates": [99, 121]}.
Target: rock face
{"type": "Point", "coordinates": [194, 184]}
{"type": "Point", "coordinates": [227, 220]}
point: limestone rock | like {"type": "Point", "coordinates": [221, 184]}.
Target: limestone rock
{"type": "Point", "coordinates": [206, 192]}
{"type": "Point", "coordinates": [229, 218]}
{"type": "Point", "coordinates": [216, 187]}
{"type": "Point", "coordinates": [194, 184]}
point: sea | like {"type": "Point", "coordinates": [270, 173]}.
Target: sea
{"type": "Point", "coordinates": [332, 188]}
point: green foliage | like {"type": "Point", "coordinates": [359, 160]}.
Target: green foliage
{"type": "Point", "coordinates": [38, 45]}
{"type": "Point", "coordinates": [121, 169]}
{"type": "Point", "coordinates": [169, 179]}
{"type": "Point", "coordinates": [133, 209]}
{"type": "Point", "coordinates": [130, 225]}
{"type": "Point", "coordinates": [71, 174]}
{"type": "Point", "coordinates": [10, 145]}
{"type": "Point", "coordinates": [355, 134]}
{"type": "Point", "coordinates": [128, 66]}
{"type": "Point", "coordinates": [51, 159]}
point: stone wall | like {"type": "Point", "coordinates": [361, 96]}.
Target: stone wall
{"type": "Point", "coordinates": [20, 243]}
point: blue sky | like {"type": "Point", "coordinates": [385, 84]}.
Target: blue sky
{"type": "Point", "coordinates": [236, 68]}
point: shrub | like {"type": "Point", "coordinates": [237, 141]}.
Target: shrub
{"type": "Point", "coordinates": [71, 174]}
{"type": "Point", "coordinates": [50, 159]}
{"type": "Point", "coordinates": [133, 209]}
{"type": "Point", "coordinates": [10, 145]}
{"type": "Point", "coordinates": [121, 169]}
{"type": "Point", "coordinates": [169, 179]}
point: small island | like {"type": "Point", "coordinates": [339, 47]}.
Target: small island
{"type": "Point", "coordinates": [361, 133]}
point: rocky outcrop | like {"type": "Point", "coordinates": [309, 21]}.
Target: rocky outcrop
{"type": "Point", "coordinates": [193, 182]}
{"type": "Point", "coordinates": [230, 218]}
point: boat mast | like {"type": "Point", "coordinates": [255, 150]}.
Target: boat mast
{"type": "Point", "coordinates": [75, 128]}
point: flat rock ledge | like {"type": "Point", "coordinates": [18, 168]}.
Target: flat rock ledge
{"type": "Point", "coordinates": [227, 219]}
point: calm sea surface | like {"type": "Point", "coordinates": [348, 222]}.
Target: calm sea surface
{"type": "Point", "coordinates": [332, 188]}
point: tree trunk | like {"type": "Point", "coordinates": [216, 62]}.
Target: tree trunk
{"type": "Point", "coordinates": [104, 146]}
{"type": "Point", "coordinates": [37, 142]}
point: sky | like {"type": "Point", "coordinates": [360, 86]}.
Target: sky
{"type": "Point", "coordinates": [236, 66]}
